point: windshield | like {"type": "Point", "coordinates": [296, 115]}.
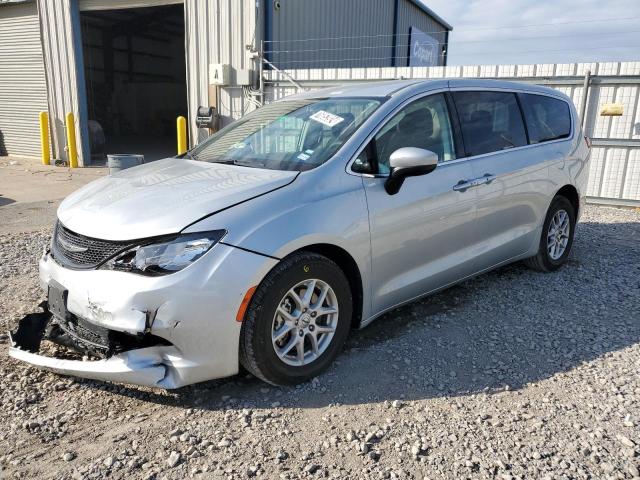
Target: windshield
{"type": "Point", "coordinates": [289, 135]}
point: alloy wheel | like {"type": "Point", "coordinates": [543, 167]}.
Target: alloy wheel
{"type": "Point", "coordinates": [305, 322]}
{"type": "Point", "coordinates": [558, 234]}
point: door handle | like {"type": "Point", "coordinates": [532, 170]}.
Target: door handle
{"type": "Point", "coordinates": [463, 185]}
{"type": "Point", "coordinates": [488, 178]}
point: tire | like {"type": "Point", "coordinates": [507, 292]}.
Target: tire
{"type": "Point", "coordinates": [544, 260]}
{"type": "Point", "coordinates": [296, 272]}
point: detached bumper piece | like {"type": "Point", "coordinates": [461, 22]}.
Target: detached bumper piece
{"type": "Point", "coordinates": [123, 358]}
{"type": "Point", "coordinates": [139, 367]}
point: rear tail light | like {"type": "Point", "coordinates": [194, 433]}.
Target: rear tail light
{"type": "Point", "coordinates": [588, 140]}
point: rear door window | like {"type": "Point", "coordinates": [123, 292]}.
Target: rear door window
{"type": "Point", "coordinates": [547, 118]}
{"type": "Point", "coordinates": [490, 121]}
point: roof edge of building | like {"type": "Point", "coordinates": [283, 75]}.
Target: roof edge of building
{"type": "Point", "coordinates": [431, 13]}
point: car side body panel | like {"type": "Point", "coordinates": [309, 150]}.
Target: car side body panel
{"type": "Point", "coordinates": [421, 237]}
{"type": "Point", "coordinates": [512, 207]}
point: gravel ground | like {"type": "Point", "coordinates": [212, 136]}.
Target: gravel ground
{"type": "Point", "coordinates": [512, 375]}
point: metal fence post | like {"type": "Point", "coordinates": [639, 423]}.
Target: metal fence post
{"type": "Point", "coordinates": [261, 72]}
{"type": "Point", "coordinates": [585, 97]}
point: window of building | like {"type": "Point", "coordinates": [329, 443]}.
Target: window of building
{"type": "Point", "coordinates": [490, 121]}
{"type": "Point", "coordinates": [547, 118]}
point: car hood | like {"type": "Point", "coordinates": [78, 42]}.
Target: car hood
{"type": "Point", "coordinates": [163, 197]}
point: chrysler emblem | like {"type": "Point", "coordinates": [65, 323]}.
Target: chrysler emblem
{"type": "Point", "coordinates": [69, 247]}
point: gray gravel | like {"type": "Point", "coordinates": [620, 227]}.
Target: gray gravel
{"type": "Point", "coordinates": [512, 375]}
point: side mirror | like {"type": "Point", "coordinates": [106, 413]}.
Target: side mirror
{"type": "Point", "coordinates": [409, 162]}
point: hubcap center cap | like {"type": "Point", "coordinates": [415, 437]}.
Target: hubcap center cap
{"type": "Point", "coordinates": [305, 319]}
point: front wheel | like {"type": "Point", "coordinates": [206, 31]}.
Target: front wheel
{"type": "Point", "coordinates": [297, 321]}
{"type": "Point", "coordinates": [557, 236]}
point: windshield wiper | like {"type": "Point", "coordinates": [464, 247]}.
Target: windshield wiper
{"type": "Point", "coordinates": [254, 164]}
{"type": "Point", "coordinates": [241, 163]}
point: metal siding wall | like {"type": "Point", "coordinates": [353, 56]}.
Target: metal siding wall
{"type": "Point", "coordinates": [614, 175]}
{"type": "Point", "coordinates": [59, 36]}
{"type": "Point", "coordinates": [217, 31]}
{"type": "Point", "coordinates": [23, 90]}
{"type": "Point", "coordinates": [327, 19]}
{"type": "Point", "coordinates": [410, 15]}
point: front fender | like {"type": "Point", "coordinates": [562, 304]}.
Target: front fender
{"type": "Point", "coordinates": [314, 209]}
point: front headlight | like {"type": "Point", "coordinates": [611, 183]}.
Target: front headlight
{"type": "Point", "coordinates": [167, 256]}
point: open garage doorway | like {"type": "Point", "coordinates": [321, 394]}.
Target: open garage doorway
{"type": "Point", "coordinates": [135, 77]}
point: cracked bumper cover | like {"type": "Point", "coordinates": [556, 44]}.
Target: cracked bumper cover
{"type": "Point", "coordinates": [145, 366]}
{"type": "Point", "coordinates": [193, 310]}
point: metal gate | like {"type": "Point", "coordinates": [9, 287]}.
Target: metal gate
{"type": "Point", "coordinates": [23, 90]}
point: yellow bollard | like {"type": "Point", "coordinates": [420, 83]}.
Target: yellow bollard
{"type": "Point", "coordinates": [181, 125]}
{"type": "Point", "coordinates": [72, 150]}
{"type": "Point", "coordinates": [44, 138]}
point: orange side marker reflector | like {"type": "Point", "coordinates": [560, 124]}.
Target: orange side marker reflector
{"type": "Point", "coordinates": [245, 303]}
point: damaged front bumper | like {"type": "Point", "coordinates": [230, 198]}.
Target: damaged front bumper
{"type": "Point", "coordinates": [166, 332]}
{"type": "Point", "coordinates": [146, 366]}
{"type": "Point", "coordinates": [150, 365]}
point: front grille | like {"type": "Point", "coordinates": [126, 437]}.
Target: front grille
{"type": "Point", "coordinates": [84, 337]}
{"type": "Point", "coordinates": [91, 337]}
{"type": "Point", "coordinates": [77, 251]}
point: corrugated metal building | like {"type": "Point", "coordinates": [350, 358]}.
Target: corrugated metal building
{"type": "Point", "coordinates": [127, 68]}
{"type": "Point", "coordinates": [23, 91]}
{"type": "Point", "coordinates": [353, 33]}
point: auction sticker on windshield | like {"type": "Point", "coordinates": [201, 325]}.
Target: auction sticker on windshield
{"type": "Point", "coordinates": [326, 118]}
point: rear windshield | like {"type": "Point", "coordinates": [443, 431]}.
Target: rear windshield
{"type": "Point", "coordinates": [547, 118]}
{"type": "Point", "coordinates": [289, 135]}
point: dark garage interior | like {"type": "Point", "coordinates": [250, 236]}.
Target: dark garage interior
{"type": "Point", "coordinates": [134, 64]}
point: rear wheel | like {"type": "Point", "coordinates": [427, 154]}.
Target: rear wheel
{"type": "Point", "coordinates": [557, 236]}
{"type": "Point", "coordinates": [298, 320]}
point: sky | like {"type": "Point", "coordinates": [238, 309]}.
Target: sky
{"type": "Point", "coordinates": [546, 31]}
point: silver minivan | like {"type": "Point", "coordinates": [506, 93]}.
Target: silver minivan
{"type": "Point", "coordinates": [267, 243]}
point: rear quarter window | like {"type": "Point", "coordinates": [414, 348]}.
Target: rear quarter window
{"type": "Point", "coordinates": [547, 118]}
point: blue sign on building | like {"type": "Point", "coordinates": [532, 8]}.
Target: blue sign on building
{"type": "Point", "coordinates": [424, 49]}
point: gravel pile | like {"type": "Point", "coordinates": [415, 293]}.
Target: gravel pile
{"type": "Point", "coordinates": [512, 375]}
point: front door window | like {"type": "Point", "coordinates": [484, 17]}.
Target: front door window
{"type": "Point", "coordinates": [423, 124]}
